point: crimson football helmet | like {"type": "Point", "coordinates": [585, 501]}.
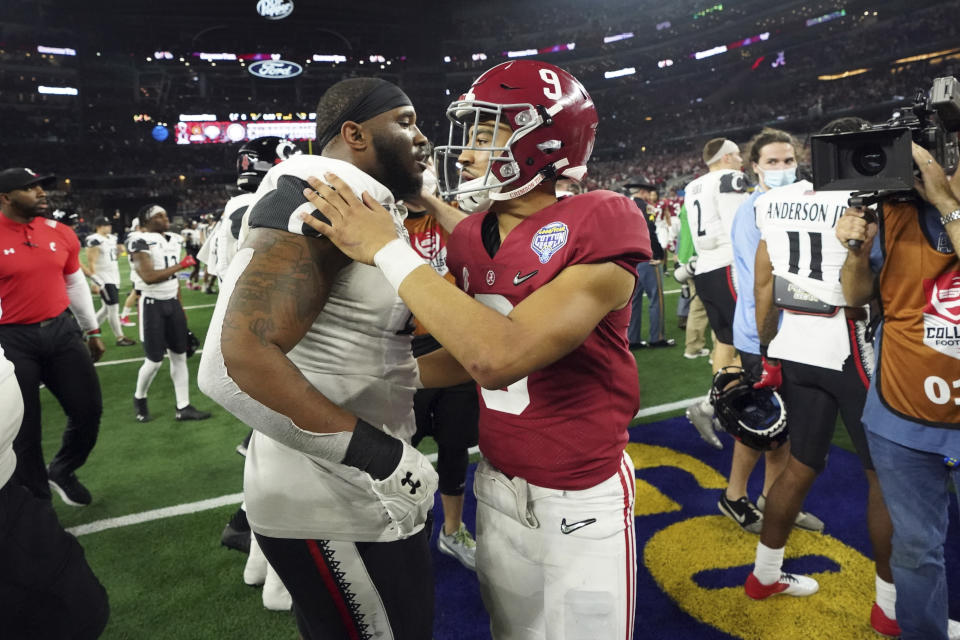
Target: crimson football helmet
{"type": "Point", "coordinates": [553, 123]}
{"type": "Point", "coordinates": [755, 417]}
{"type": "Point", "coordinates": [257, 156]}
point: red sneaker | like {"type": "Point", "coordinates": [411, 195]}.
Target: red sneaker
{"type": "Point", "coordinates": [788, 584]}
{"type": "Point", "coordinates": [882, 624]}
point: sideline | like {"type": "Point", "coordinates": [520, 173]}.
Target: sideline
{"type": "Point", "coordinates": [133, 312]}
{"type": "Point", "coordinates": [236, 498]}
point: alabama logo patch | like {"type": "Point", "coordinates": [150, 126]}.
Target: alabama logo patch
{"type": "Point", "coordinates": [941, 316]}
{"type": "Point", "coordinates": [549, 239]}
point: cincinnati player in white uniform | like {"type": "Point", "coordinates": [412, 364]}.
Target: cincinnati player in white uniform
{"type": "Point", "coordinates": [826, 360]}
{"type": "Point", "coordinates": [712, 201]}
{"type": "Point", "coordinates": [254, 159]}
{"type": "Point", "coordinates": [135, 282]}
{"type": "Point", "coordinates": [163, 324]}
{"type": "Point", "coordinates": [313, 352]}
{"type": "Point", "coordinates": [105, 274]}
{"type": "Point", "coordinates": [542, 329]}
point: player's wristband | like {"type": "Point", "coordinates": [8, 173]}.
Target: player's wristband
{"type": "Point", "coordinates": [373, 451]}
{"type": "Point", "coordinates": [396, 260]}
{"type": "Point", "coordinates": [763, 350]}
{"type": "Point", "coordinates": [93, 333]}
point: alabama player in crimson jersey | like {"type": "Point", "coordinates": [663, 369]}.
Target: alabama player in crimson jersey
{"type": "Point", "coordinates": [538, 319]}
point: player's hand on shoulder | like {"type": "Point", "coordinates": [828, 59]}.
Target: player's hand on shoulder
{"type": "Point", "coordinates": [359, 227]}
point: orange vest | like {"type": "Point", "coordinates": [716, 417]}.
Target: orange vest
{"type": "Point", "coordinates": [919, 373]}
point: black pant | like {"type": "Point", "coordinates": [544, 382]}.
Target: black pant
{"type": "Point", "coordinates": [339, 588]}
{"type": "Point", "coordinates": [53, 353]}
{"type": "Point", "coordinates": [47, 589]}
{"type": "Point", "coordinates": [450, 415]}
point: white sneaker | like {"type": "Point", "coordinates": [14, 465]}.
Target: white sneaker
{"type": "Point", "coordinates": [255, 571]}
{"type": "Point", "coordinates": [789, 584]}
{"type": "Point", "coordinates": [275, 595]}
{"type": "Point", "coordinates": [460, 545]}
{"type": "Point", "coordinates": [953, 630]}
{"type": "Point", "coordinates": [699, 354]}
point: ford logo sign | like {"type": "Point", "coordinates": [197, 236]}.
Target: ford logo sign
{"type": "Point", "coordinates": [274, 69]}
{"type": "Point", "coordinates": [275, 9]}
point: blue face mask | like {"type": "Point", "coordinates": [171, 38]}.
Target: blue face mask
{"type": "Point", "coordinates": [779, 177]}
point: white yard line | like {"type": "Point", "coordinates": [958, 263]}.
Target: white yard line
{"type": "Point", "coordinates": [177, 510]}
{"type": "Point", "coordinates": [213, 304]}
{"type": "Point", "coordinates": [129, 360]}
{"type": "Point", "coordinates": [237, 498]}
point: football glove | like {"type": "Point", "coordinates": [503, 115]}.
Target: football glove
{"type": "Point", "coordinates": [772, 375]}
{"type": "Point", "coordinates": [407, 493]}
{"type": "Point", "coordinates": [187, 262]}
{"type": "Point", "coordinates": [404, 481]}
{"type": "Point", "coordinates": [193, 343]}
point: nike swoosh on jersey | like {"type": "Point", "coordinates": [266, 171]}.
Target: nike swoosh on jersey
{"type": "Point", "coordinates": [573, 526]}
{"type": "Point", "coordinates": [518, 279]}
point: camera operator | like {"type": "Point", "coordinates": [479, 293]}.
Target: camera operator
{"type": "Point", "coordinates": [911, 414]}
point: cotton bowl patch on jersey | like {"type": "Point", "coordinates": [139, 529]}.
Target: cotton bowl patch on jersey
{"type": "Point", "coordinates": [941, 317]}
{"type": "Point", "coordinates": [549, 239]}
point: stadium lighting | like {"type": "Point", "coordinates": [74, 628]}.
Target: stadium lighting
{"type": "Point", "coordinates": [58, 91]}
{"type": "Point", "coordinates": [618, 37]}
{"type": "Point", "coordinates": [57, 51]}
{"type": "Point", "coordinates": [925, 56]}
{"type": "Point", "coordinates": [845, 74]}
{"type": "Point", "coordinates": [326, 57]}
{"type": "Point", "coordinates": [520, 53]}
{"type": "Point", "coordinates": [197, 117]}
{"type": "Point", "coordinates": [626, 71]}
{"type": "Point", "coordinates": [826, 18]}
{"type": "Point", "coordinates": [700, 55]}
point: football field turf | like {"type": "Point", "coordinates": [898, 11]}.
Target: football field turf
{"type": "Point", "coordinates": [162, 492]}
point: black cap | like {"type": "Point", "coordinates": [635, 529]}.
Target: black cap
{"type": "Point", "coordinates": [640, 184]}
{"type": "Point", "coordinates": [102, 221]}
{"type": "Point", "coordinates": [21, 178]}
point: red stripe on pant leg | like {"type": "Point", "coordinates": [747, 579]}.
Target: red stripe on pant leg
{"type": "Point", "coordinates": [855, 353]}
{"type": "Point", "coordinates": [633, 549]}
{"type": "Point", "coordinates": [321, 563]}
{"type": "Point", "coordinates": [733, 289]}
{"type": "Point", "coordinates": [627, 533]}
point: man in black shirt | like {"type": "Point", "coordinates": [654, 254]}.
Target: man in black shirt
{"type": "Point", "coordinates": [649, 278]}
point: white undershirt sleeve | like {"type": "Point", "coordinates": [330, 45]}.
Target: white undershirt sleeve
{"type": "Point", "coordinates": [81, 302]}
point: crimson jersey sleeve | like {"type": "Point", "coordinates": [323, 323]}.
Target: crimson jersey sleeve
{"type": "Point", "coordinates": [614, 231]}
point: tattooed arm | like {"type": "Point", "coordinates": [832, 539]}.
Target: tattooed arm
{"type": "Point", "coordinates": [275, 301]}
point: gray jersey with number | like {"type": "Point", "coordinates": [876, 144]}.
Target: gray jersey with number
{"type": "Point", "coordinates": [356, 353]}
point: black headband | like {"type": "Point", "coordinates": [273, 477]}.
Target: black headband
{"type": "Point", "coordinates": [381, 98]}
